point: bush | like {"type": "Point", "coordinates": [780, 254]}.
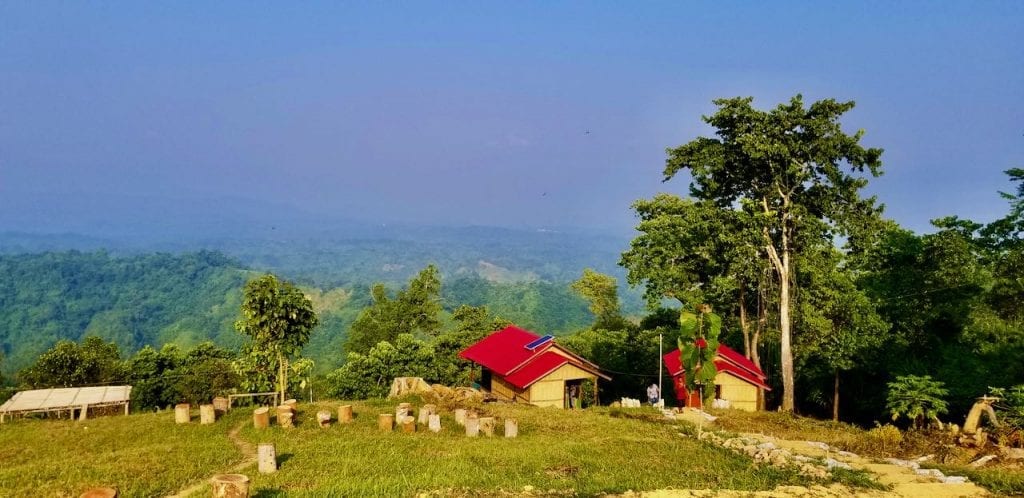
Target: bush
{"type": "Point", "coordinates": [886, 438]}
{"type": "Point", "coordinates": [918, 398]}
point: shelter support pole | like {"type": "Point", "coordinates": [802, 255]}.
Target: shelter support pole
{"type": "Point", "coordinates": [595, 391]}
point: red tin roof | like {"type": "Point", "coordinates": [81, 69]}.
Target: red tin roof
{"type": "Point", "coordinates": [504, 353]}
{"type": "Point", "coordinates": [725, 361]}
{"type": "Point", "coordinates": [536, 369]}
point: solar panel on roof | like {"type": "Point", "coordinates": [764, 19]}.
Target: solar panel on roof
{"type": "Point", "coordinates": [539, 342]}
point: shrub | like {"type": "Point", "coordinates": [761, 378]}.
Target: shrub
{"type": "Point", "coordinates": [886, 438]}
{"type": "Point", "coordinates": [918, 398]}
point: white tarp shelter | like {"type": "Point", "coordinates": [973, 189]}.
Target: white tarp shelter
{"type": "Point", "coordinates": [66, 399]}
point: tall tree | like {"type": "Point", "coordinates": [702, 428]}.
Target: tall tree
{"type": "Point", "coordinates": [414, 310]}
{"type": "Point", "coordinates": [602, 294]}
{"type": "Point", "coordinates": [797, 169]}
{"type": "Point", "coordinates": [278, 318]}
{"type": "Point", "coordinates": [697, 252]}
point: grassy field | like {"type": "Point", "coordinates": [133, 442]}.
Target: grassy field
{"type": "Point", "coordinates": [581, 453]}
{"type": "Point", "coordinates": [143, 455]}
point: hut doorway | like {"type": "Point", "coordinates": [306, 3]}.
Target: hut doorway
{"type": "Point", "coordinates": [573, 394]}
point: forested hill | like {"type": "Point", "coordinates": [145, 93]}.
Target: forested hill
{"type": "Point", "coordinates": [159, 298]}
{"type": "Point", "coordinates": [134, 301]}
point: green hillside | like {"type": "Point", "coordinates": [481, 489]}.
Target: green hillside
{"type": "Point", "coordinates": [184, 299]}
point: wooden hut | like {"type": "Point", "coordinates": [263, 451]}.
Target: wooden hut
{"type": "Point", "coordinates": [518, 365]}
{"type": "Point", "coordinates": [738, 380]}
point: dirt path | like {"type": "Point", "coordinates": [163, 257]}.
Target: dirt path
{"type": "Point", "coordinates": [904, 481]}
{"type": "Point", "coordinates": [248, 452]}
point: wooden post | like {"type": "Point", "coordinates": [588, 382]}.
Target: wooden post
{"type": "Point", "coordinates": [386, 422]}
{"type": "Point", "coordinates": [487, 425]}
{"type": "Point", "coordinates": [261, 418]}
{"type": "Point", "coordinates": [472, 427]}
{"type": "Point", "coordinates": [434, 423]}
{"type": "Point", "coordinates": [100, 493]}
{"type": "Point", "coordinates": [511, 427]}
{"type": "Point", "coordinates": [344, 414]}
{"type": "Point", "coordinates": [207, 415]}
{"type": "Point", "coordinates": [285, 416]}
{"type": "Point", "coordinates": [83, 413]}
{"type": "Point", "coordinates": [460, 416]}
{"type": "Point", "coordinates": [409, 424]}
{"type": "Point", "coordinates": [323, 417]}
{"type": "Point", "coordinates": [181, 413]}
{"type": "Point", "coordinates": [230, 486]}
{"type": "Point", "coordinates": [267, 458]}
{"type": "Point", "coordinates": [126, 407]}
{"type": "Point", "coordinates": [221, 405]}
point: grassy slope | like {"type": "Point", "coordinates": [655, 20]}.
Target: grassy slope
{"type": "Point", "coordinates": [588, 453]}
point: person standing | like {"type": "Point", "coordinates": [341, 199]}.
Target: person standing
{"type": "Point", "coordinates": [573, 393]}
{"type": "Point", "coordinates": [653, 394]}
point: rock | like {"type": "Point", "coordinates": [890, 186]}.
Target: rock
{"type": "Point", "coordinates": [766, 446]}
{"type": "Point", "coordinates": [936, 473]}
{"type": "Point", "coordinates": [832, 463]}
{"type": "Point", "coordinates": [847, 454]}
{"type": "Point", "coordinates": [903, 463]}
{"type": "Point", "coordinates": [1012, 453]}
{"type": "Point", "coordinates": [924, 458]}
{"type": "Point", "coordinates": [818, 444]}
{"type": "Point", "coordinates": [982, 461]}
{"type": "Point", "coordinates": [408, 385]}
{"type": "Point", "coordinates": [954, 480]}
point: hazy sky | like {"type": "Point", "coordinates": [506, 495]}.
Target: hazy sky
{"type": "Point", "coordinates": [514, 113]}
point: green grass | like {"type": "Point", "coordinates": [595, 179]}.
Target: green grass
{"type": "Point", "coordinates": [999, 480]}
{"type": "Point", "coordinates": [142, 455]}
{"type": "Point", "coordinates": [571, 453]}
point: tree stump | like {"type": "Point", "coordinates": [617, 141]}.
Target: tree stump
{"type": "Point", "coordinates": [285, 416]}
{"type": "Point", "coordinates": [344, 414]}
{"type": "Point", "coordinates": [472, 427]}
{"type": "Point", "coordinates": [266, 458]}
{"type": "Point", "coordinates": [261, 418]}
{"type": "Point", "coordinates": [207, 414]}
{"type": "Point", "coordinates": [487, 425]}
{"type": "Point", "coordinates": [220, 405]}
{"type": "Point", "coordinates": [460, 416]}
{"type": "Point", "coordinates": [434, 423]}
{"type": "Point", "coordinates": [100, 493]}
{"type": "Point", "coordinates": [511, 427]}
{"type": "Point", "coordinates": [323, 417]}
{"type": "Point", "coordinates": [181, 413]}
{"type": "Point", "coordinates": [293, 404]}
{"type": "Point", "coordinates": [425, 412]}
{"type": "Point", "coordinates": [386, 422]}
{"type": "Point", "coordinates": [409, 424]}
{"type": "Point", "coordinates": [230, 486]}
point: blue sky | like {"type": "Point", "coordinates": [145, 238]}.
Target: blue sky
{"type": "Point", "coordinates": [516, 114]}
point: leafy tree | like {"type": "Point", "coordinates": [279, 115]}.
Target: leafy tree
{"type": "Point", "coordinates": [277, 318]}
{"type": "Point", "coordinates": [602, 293]}
{"type": "Point", "coordinates": [698, 252]}
{"type": "Point", "coordinates": [790, 165]}
{"type": "Point", "coordinates": [414, 310]}
{"type": "Point", "coordinates": [369, 375]}
{"type": "Point", "coordinates": [151, 374]}
{"type": "Point", "coordinates": [918, 398]}
{"type": "Point", "coordinates": [203, 373]}
{"type": "Point", "coordinates": [698, 346]}
{"type": "Point", "coordinates": [68, 364]}
{"type": "Point", "coordinates": [837, 323]}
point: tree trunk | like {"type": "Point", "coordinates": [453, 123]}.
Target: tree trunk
{"type": "Point", "coordinates": [207, 415]}
{"type": "Point", "coordinates": [744, 324]}
{"type": "Point", "coordinates": [344, 414]}
{"type": "Point", "coordinates": [282, 374]}
{"type": "Point", "coordinates": [181, 413]}
{"type": "Point", "coordinates": [835, 399]}
{"type": "Point", "coordinates": [785, 329]}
